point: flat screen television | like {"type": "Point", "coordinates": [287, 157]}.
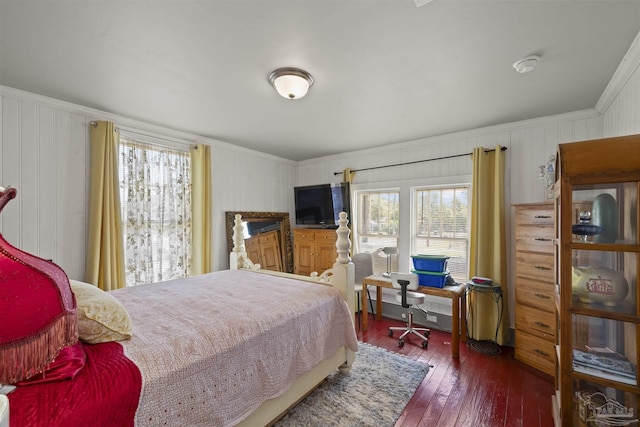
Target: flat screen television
{"type": "Point", "coordinates": [320, 205]}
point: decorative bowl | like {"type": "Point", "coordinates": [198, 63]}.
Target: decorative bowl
{"type": "Point", "coordinates": [599, 285]}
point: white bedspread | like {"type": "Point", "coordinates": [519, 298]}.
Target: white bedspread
{"type": "Point", "coordinates": [213, 347]}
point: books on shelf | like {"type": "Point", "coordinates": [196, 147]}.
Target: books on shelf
{"type": "Point", "coordinates": [604, 366]}
{"type": "Point", "coordinates": [604, 351]}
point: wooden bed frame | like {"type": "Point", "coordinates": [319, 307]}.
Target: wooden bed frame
{"type": "Point", "coordinates": [341, 277]}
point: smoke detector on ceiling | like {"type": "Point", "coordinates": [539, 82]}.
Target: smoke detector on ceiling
{"type": "Point", "coordinates": [526, 64]}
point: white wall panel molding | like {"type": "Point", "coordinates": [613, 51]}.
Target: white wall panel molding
{"type": "Point", "coordinates": [627, 67]}
{"type": "Point", "coordinates": [44, 153]}
{"type": "Point", "coordinates": [130, 124]}
{"type": "Point", "coordinates": [623, 114]}
{"type": "Point", "coordinates": [587, 114]}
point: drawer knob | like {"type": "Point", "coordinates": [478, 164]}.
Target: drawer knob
{"type": "Point", "coordinates": [543, 216]}
{"type": "Point", "coordinates": [541, 353]}
{"type": "Point", "coordinates": [543, 296]}
{"type": "Point", "coordinates": [540, 267]}
{"type": "Point", "coordinates": [542, 239]}
{"type": "Point", "coordinates": [542, 325]}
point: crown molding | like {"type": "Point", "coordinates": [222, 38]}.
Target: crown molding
{"type": "Point", "coordinates": [623, 73]}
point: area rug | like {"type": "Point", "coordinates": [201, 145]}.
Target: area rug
{"type": "Point", "coordinates": [373, 393]}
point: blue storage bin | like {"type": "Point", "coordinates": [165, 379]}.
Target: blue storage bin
{"type": "Point", "coordinates": [431, 278]}
{"type": "Point", "coordinates": [430, 262]}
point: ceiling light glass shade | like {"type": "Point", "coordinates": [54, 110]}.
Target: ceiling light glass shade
{"type": "Point", "coordinates": [526, 64]}
{"type": "Point", "coordinates": [291, 83]}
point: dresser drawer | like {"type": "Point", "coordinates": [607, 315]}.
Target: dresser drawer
{"type": "Point", "coordinates": [326, 236]}
{"type": "Point", "coordinates": [536, 322]}
{"type": "Point", "coordinates": [535, 238]}
{"type": "Point", "coordinates": [315, 235]}
{"type": "Point", "coordinates": [535, 294]}
{"type": "Point", "coordinates": [535, 215]}
{"type": "Point", "coordinates": [303, 234]}
{"type": "Point", "coordinates": [536, 352]}
{"type": "Point", "coordinates": [535, 266]}
{"type": "Point", "coordinates": [268, 237]}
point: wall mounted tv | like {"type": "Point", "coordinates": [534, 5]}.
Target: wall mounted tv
{"type": "Point", "coordinates": [320, 205]}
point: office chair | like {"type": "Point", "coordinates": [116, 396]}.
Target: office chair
{"type": "Point", "coordinates": [407, 282]}
{"type": "Point", "coordinates": [363, 267]}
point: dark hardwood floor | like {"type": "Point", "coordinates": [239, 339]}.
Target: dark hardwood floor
{"type": "Point", "coordinates": [474, 390]}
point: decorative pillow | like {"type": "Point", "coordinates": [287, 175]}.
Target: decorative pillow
{"type": "Point", "coordinates": [66, 365]}
{"type": "Point", "coordinates": [101, 317]}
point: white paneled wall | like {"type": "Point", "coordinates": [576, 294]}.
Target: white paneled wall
{"type": "Point", "coordinates": [623, 115]}
{"type": "Point", "coordinates": [44, 154]}
{"type": "Point", "coordinates": [529, 144]}
{"type": "Point", "coordinates": [261, 183]}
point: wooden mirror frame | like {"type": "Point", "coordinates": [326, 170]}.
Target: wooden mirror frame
{"type": "Point", "coordinates": [285, 231]}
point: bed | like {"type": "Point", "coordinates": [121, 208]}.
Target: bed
{"type": "Point", "coordinates": [233, 347]}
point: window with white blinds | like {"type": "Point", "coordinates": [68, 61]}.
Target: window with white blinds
{"type": "Point", "coordinates": [378, 225]}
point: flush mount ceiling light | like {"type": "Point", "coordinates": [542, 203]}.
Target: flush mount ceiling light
{"type": "Point", "coordinates": [526, 64]}
{"type": "Point", "coordinates": [291, 83]}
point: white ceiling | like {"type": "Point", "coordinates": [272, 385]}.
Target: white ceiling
{"type": "Point", "coordinates": [385, 71]}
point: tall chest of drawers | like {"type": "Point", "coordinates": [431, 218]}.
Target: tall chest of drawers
{"type": "Point", "coordinates": [535, 311]}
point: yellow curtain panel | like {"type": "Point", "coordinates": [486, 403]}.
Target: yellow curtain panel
{"type": "Point", "coordinates": [489, 319]}
{"type": "Point", "coordinates": [201, 204]}
{"type": "Point", "coordinates": [105, 249]}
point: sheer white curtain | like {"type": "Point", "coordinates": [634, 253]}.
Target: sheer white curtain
{"type": "Point", "coordinates": [155, 191]}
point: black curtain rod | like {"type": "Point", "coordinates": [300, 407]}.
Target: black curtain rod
{"type": "Point", "coordinates": [417, 161]}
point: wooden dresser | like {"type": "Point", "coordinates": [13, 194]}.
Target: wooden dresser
{"type": "Point", "coordinates": [535, 310]}
{"type": "Point", "coordinates": [313, 250]}
{"type": "Point", "coordinates": [264, 249]}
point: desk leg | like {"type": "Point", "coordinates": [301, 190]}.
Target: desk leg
{"type": "Point", "coordinates": [455, 326]}
{"type": "Point", "coordinates": [378, 303]}
{"type": "Point", "coordinates": [364, 316]}
{"type": "Point", "coordinates": [463, 316]}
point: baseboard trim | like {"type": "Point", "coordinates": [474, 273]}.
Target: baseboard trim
{"type": "Point", "coordinates": [442, 321]}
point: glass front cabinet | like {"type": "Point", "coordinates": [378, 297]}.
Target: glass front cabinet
{"type": "Point", "coordinates": [597, 262]}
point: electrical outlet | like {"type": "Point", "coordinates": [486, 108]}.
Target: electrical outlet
{"type": "Point", "coordinates": [404, 315]}
{"type": "Point", "coordinates": [432, 318]}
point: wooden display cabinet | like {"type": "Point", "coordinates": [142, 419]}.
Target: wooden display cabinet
{"type": "Point", "coordinates": [597, 263]}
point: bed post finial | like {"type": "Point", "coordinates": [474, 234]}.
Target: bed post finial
{"type": "Point", "coordinates": [238, 234]}
{"type": "Point", "coordinates": [343, 244]}
{"type": "Point", "coordinates": [238, 257]}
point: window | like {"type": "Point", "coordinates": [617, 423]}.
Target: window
{"type": "Point", "coordinates": [155, 197]}
{"type": "Point", "coordinates": [378, 225]}
{"type": "Point", "coordinates": [442, 226]}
